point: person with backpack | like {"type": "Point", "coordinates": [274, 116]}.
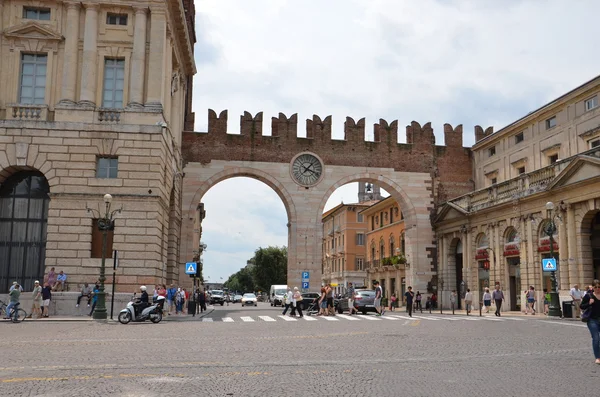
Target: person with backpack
{"type": "Point", "coordinates": [179, 299]}
{"type": "Point", "coordinates": [171, 295]}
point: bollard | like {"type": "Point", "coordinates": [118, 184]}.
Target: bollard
{"type": "Point", "coordinates": [480, 309]}
{"type": "Point", "coordinates": [453, 309]}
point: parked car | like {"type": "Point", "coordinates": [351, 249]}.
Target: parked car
{"type": "Point", "coordinates": [217, 297]}
{"type": "Point", "coordinates": [308, 299]}
{"type": "Point", "coordinates": [237, 298]}
{"type": "Point", "coordinates": [249, 300]}
{"type": "Point", "coordinates": [364, 301]}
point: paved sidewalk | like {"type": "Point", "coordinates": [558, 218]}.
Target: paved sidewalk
{"type": "Point", "coordinates": [167, 318]}
{"type": "Point", "coordinates": [490, 314]}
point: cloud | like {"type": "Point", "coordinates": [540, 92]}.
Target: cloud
{"type": "Point", "coordinates": [463, 62]}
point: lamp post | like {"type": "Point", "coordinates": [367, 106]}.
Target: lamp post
{"type": "Point", "coordinates": [550, 229]}
{"type": "Point", "coordinates": [105, 223]}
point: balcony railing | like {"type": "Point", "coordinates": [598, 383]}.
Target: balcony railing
{"type": "Point", "coordinates": [516, 188]}
{"type": "Point", "coordinates": [28, 112]}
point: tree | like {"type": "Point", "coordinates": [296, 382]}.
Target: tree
{"type": "Point", "coordinates": [269, 267]}
{"type": "Point", "coordinates": [241, 281]}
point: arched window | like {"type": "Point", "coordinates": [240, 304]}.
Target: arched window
{"type": "Point", "coordinates": [511, 235]}
{"type": "Point", "coordinates": [403, 243]}
{"type": "Point", "coordinates": [381, 248]}
{"type": "Point", "coordinates": [482, 240]}
{"type": "Point", "coordinates": [392, 246]}
{"type": "Point", "coordinates": [24, 199]}
{"type": "Point", "coordinates": [372, 250]}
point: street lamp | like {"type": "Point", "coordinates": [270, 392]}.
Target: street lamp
{"type": "Point", "coordinates": [105, 223]}
{"type": "Point", "coordinates": [549, 230]}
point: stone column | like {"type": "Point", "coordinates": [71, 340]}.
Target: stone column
{"type": "Point", "coordinates": [156, 74]}
{"type": "Point", "coordinates": [70, 59]}
{"type": "Point", "coordinates": [563, 252]}
{"type": "Point", "coordinates": [572, 245]}
{"type": "Point", "coordinates": [138, 59]}
{"type": "Point", "coordinates": [89, 69]}
{"type": "Point", "coordinates": [1, 13]}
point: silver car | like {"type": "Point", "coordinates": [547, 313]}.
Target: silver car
{"type": "Point", "coordinates": [364, 301]}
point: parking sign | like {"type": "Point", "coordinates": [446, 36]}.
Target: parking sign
{"type": "Point", "coordinates": [305, 284]}
{"type": "Point", "coordinates": [305, 276]}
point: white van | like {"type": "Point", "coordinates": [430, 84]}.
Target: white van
{"type": "Point", "coordinates": [276, 294]}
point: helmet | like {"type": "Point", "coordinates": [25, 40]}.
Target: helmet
{"type": "Point", "coordinates": [143, 288]}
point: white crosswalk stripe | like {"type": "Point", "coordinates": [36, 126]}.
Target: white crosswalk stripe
{"type": "Point", "coordinates": [309, 318]}
{"type": "Point", "coordinates": [287, 318]}
{"type": "Point", "coordinates": [247, 319]}
{"type": "Point", "coordinates": [347, 317]}
{"type": "Point", "coordinates": [367, 317]}
{"type": "Point", "coordinates": [426, 318]}
{"type": "Point", "coordinates": [207, 320]}
{"type": "Point", "coordinates": [329, 318]}
{"type": "Point", "coordinates": [266, 318]}
{"type": "Point", "coordinates": [227, 320]}
{"type": "Point", "coordinates": [388, 317]}
{"type": "Point", "coordinates": [403, 317]}
{"type": "Point", "coordinates": [447, 318]}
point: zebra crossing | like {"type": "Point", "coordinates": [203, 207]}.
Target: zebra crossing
{"type": "Point", "coordinates": [344, 317]}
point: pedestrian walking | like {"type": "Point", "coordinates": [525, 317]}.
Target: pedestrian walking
{"type": "Point", "coordinates": [487, 300]}
{"type": "Point", "coordinates": [378, 296]}
{"type": "Point", "coordinates": [201, 300]}
{"type": "Point", "coordinates": [576, 295]}
{"type": "Point", "coordinates": [468, 301]}
{"type": "Point", "coordinates": [546, 301]}
{"type": "Point", "coordinates": [287, 300]}
{"type": "Point", "coordinates": [351, 296]}
{"type": "Point", "coordinates": [591, 304]}
{"type": "Point", "coordinates": [179, 299]}
{"type": "Point", "coordinates": [36, 304]}
{"type": "Point", "coordinates": [530, 300]}
{"type": "Point", "coordinates": [408, 296]}
{"type": "Point", "coordinates": [329, 295]}
{"type": "Point", "coordinates": [393, 302]}
{"type": "Point", "coordinates": [418, 299]}
{"type": "Point", "coordinates": [498, 297]}
{"type": "Point", "coordinates": [453, 299]}
{"type": "Point", "coordinates": [323, 302]}
{"type": "Point", "coordinates": [46, 298]}
{"type": "Point", "coordinates": [171, 295]}
{"type": "Point", "coordinates": [296, 303]}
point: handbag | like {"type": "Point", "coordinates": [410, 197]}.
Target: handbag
{"type": "Point", "coordinates": [586, 314]}
{"type": "Point", "coordinates": [299, 298]}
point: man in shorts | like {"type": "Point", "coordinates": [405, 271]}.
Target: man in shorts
{"type": "Point", "coordinates": [351, 294]}
{"type": "Point", "coordinates": [378, 296]}
{"type": "Point", "coordinates": [36, 296]}
{"type": "Point", "coordinates": [46, 297]}
{"type": "Point", "coordinates": [329, 296]}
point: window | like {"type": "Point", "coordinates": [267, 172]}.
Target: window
{"type": "Point", "coordinates": [492, 151]}
{"type": "Point", "coordinates": [403, 243]}
{"type": "Point", "coordinates": [107, 167]}
{"type": "Point", "coordinates": [519, 137]}
{"type": "Point", "coordinates": [551, 122]}
{"type": "Point", "coordinates": [591, 103]}
{"type": "Point", "coordinates": [521, 170]}
{"type": "Point", "coordinates": [39, 14]}
{"type": "Point", "coordinates": [595, 143]}
{"type": "Point", "coordinates": [360, 263]}
{"type": "Point", "coordinates": [494, 181]}
{"type": "Point", "coordinates": [33, 79]}
{"type": "Point", "coordinates": [372, 223]}
{"type": "Point", "coordinates": [114, 78]}
{"type": "Point", "coordinates": [391, 215]}
{"type": "Point", "coordinates": [553, 159]}
{"type": "Point", "coordinates": [116, 19]}
{"type": "Point", "coordinates": [359, 218]}
{"type": "Point", "coordinates": [97, 236]}
{"type": "Point", "coordinates": [360, 239]}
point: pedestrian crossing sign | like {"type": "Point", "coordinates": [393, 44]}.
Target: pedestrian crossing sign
{"type": "Point", "coordinates": [191, 268]}
{"type": "Point", "coordinates": [549, 265]}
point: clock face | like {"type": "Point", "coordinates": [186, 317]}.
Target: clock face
{"type": "Point", "coordinates": [307, 169]}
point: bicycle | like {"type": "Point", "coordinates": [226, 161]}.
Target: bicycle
{"type": "Point", "coordinates": [16, 314]}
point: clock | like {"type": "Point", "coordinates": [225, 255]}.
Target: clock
{"type": "Point", "coordinates": [306, 169]}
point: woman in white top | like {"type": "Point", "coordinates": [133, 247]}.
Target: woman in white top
{"type": "Point", "coordinates": [468, 301]}
{"type": "Point", "coordinates": [487, 300]}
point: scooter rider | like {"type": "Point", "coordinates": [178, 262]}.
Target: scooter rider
{"type": "Point", "coordinates": [143, 301]}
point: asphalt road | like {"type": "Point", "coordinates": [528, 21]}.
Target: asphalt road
{"type": "Point", "coordinates": [252, 351]}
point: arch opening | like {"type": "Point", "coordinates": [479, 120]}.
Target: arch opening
{"type": "Point", "coordinates": [24, 200]}
{"type": "Point", "coordinates": [454, 270]}
{"type": "Point", "coordinates": [590, 240]}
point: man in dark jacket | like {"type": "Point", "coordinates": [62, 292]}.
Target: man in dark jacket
{"type": "Point", "coordinates": [46, 298]}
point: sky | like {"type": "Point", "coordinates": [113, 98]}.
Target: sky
{"type": "Point", "coordinates": [464, 62]}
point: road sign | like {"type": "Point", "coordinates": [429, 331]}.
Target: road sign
{"type": "Point", "coordinates": [305, 276]}
{"type": "Point", "coordinates": [305, 284]}
{"type": "Point", "coordinates": [549, 265]}
{"type": "Point", "coordinates": [191, 267]}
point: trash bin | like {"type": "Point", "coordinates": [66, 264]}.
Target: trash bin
{"type": "Point", "coordinates": [567, 308]}
{"type": "Point", "coordinates": [191, 307]}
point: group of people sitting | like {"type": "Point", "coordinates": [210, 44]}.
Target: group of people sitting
{"type": "Point", "coordinates": [57, 282]}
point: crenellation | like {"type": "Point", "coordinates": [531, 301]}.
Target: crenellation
{"type": "Point", "coordinates": [318, 129]}
{"type": "Point", "coordinates": [354, 131]}
{"type": "Point", "coordinates": [480, 133]}
{"type": "Point", "coordinates": [284, 127]}
{"type": "Point", "coordinates": [453, 137]}
{"type": "Point", "coordinates": [218, 124]}
{"type": "Point", "coordinates": [251, 125]}
{"type": "Point", "coordinates": [386, 133]}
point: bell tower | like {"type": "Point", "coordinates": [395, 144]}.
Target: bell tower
{"type": "Point", "coordinates": [368, 192]}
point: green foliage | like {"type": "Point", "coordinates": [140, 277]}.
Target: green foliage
{"type": "Point", "coordinates": [268, 266]}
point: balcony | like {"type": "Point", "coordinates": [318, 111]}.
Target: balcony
{"type": "Point", "coordinates": [340, 249]}
{"type": "Point", "coordinates": [16, 111]}
{"type": "Point", "coordinates": [523, 186]}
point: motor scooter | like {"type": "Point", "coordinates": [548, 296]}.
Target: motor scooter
{"type": "Point", "coordinates": [152, 312]}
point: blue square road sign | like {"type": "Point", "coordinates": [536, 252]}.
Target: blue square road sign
{"type": "Point", "coordinates": [549, 265]}
{"type": "Point", "coordinates": [191, 268]}
{"type": "Point", "coordinates": [305, 276]}
{"type": "Point", "coordinates": [305, 284]}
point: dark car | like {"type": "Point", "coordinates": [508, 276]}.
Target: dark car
{"type": "Point", "coordinates": [217, 297]}
{"type": "Point", "coordinates": [308, 298]}
{"type": "Point", "coordinates": [364, 301]}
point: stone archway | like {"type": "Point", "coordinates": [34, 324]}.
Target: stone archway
{"type": "Point", "coordinates": [454, 268]}
{"type": "Point", "coordinates": [590, 248]}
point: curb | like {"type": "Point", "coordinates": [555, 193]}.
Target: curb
{"type": "Point", "coordinates": [81, 319]}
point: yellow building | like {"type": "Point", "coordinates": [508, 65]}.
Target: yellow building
{"type": "Point", "coordinates": [499, 234]}
{"type": "Point", "coordinates": [344, 258]}
{"type": "Point", "coordinates": [385, 245]}
{"type": "Point", "coordinates": [94, 97]}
